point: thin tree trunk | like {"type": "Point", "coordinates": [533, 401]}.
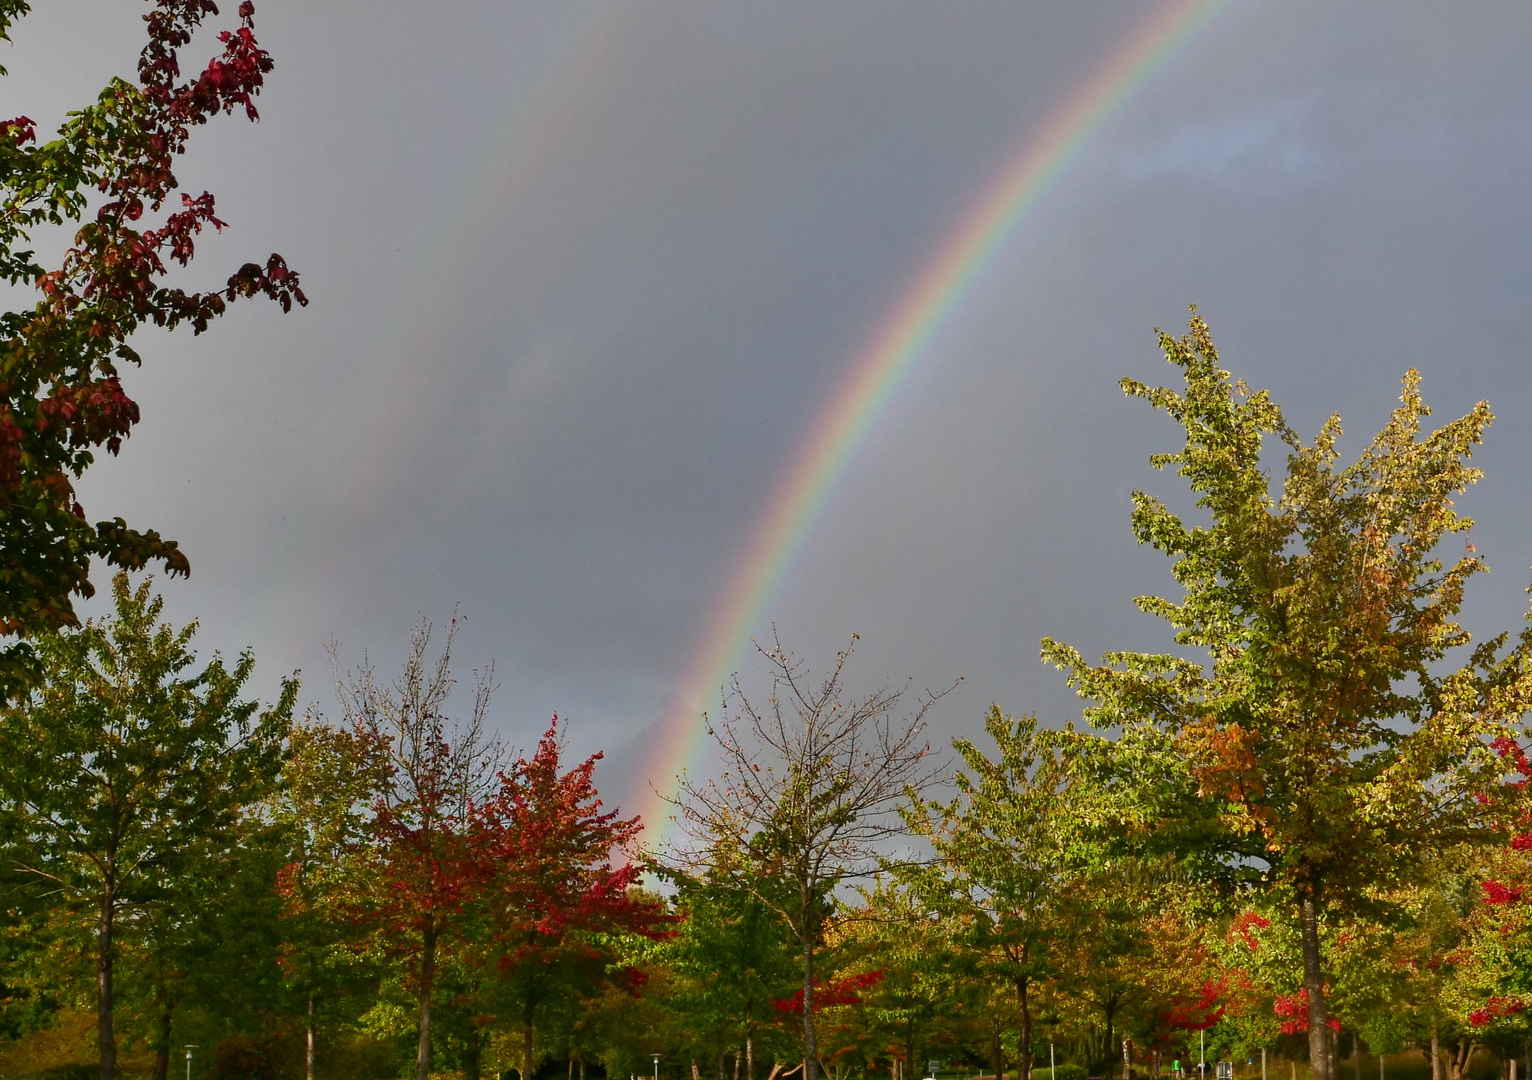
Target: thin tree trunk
{"type": "Point", "coordinates": [1127, 1059]}
{"type": "Point", "coordinates": [810, 1046]}
{"type": "Point", "coordinates": [1024, 1047]}
{"type": "Point", "coordinates": [473, 1054]}
{"type": "Point", "coordinates": [1313, 981]}
{"type": "Point", "coordinates": [308, 1043]}
{"type": "Point", "coordinates": [750, 1055]}
{"type": "Point", "coordinates": [1106, 1049]}
{"type": "Point", "coordinates": [162, 1036]}
{"type": "Point", "coordinates": [995, 1048]}
{"type": "Point", "coordinates": [106, 1041]}
{"type": "Point", "coordinates": [1436, 1054]}
{"type": "Point", "coordinates": [526, 1050]}
{"type": "Point", "coordinates": [427, 977]}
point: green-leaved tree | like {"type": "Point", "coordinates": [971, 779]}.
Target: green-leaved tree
{"type": "Point", "coordinates": [123, 763]}
{"type": "Point", "coordinates": [1326, 742]}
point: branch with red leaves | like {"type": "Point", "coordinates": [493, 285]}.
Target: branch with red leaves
{"type": "Point", "coordinates": [847, 991]}
{"type": "Point", "coordinates": [61, 396]}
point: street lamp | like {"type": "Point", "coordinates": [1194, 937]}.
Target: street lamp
{"type": "Point", "coordinates": [656, 1066]}
{"type": "Point", "coordinates": [189, 1048]}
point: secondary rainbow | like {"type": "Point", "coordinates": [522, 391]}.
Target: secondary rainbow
{"type": "Point", "coordinates": [883, 366]}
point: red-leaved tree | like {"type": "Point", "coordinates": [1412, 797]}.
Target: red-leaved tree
{"type": "Point", "coordinates": [428, 861]}
{"type": "Point", "coordinates": [563, 884]}
{"type": "Point", "coordinates": [110, 169]}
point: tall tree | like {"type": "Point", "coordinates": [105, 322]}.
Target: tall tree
{"type": "Point", "coordinates": [424, 869]}
{"type": "Point", "coordinates": [1327, 747]}
{"type": "Point", "coordinates": [61, 395]}
{"type": "Point", "coordinates": [123, 764]}
{"type": "Point", "coordinates": [810, 791]}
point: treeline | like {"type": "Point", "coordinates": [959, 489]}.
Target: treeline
{"type": "Point", "coordinates": [1301, 835]}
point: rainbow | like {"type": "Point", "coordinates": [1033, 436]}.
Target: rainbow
{"type": "Point", "coordinates": [882, 368]}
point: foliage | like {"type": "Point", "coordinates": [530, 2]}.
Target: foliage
{"type": "Point", "coordinates": [1327, 748]}
{"type": "Point", "coordinates": [425, 861]}
{"type": "Point", "coordinates": [1002, 854]}
{"type": "Point", "coordinates": [62, 399]}
{"type": "Point", "coordinates": [556, 903]}
{"type": "Point", "coordinates": [125, 770]}
{"type": "Point", "coordinates": [810, 789]}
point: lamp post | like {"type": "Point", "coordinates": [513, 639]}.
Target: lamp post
{"type": "Point", "coordinates": [656, 1066]}
{"type": "Point", "coordinates": [189, 1048]}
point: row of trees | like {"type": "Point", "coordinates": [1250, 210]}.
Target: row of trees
{"type": "Point", "coordinates": [237, 871]}
{"type": "Point", "coordinates": [1304, 820]}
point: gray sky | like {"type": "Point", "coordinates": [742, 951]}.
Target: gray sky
{"type": "Point", "coordinates": [584, 275]}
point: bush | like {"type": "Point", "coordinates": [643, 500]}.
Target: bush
{"type": "Point", "coordinates": [70, 1072]}
{"type": "Point", "coordinates": [1062, 1072]}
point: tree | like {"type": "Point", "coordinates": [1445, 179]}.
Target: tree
{"type": "Point", "coordinates": [1002, 850]}
{"type": "Point", "coordinates": [62, 398]}
{"type": "Point", "coordinates": [1327, 748]}
{"type": "Point", "coordinates": [324, 806]}
{"type": "Point", "coordinates": [122, 765]}
{"type": "Point", "coordinates": [736, 958]}
{"type": "Point", "coordinates": [555, 898]}
{"type": "Point", "coordinates": [810, 789]}
{"type": "Point", "coordinates": [424, 868]}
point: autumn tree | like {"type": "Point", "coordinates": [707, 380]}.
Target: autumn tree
{"type": "Point", "coordinates": [124, 767]}
{"type": "Point", "coordinates": [555, 898]}
{"type": "Point", "coordinates": [809, 793]}
{"type": "Point", "coordinates": [424, 866]}
{"type": "Point", "coordinates": [109, 173]}
{"type": "Point", "coordinates": [1326, 745]}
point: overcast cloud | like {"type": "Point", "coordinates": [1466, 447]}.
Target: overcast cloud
{"type": "Point", "coordinates": [583, 275]}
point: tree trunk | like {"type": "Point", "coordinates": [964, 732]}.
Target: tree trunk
{"type": "Point", "coordinates": [427, 977]}
{"type": "Point", "coordinates": [473, 1053]}
{"type": "Point", "coordinates": [162, 1037]}
{"type": "Point", "coordinates": [995, 1050]}
{"type": "Point", "coordinates": [308, 1044]}
{"type": "Point", "coordinates": [106, 1041]}
{"type": "Point", "coordinates": [750, 1055]}
{"type": "Point", "coordinates": [526, 1050]}
{"type": "Point", "coordinates": [1313, 982]}
{"type": "Point", "coordinates": [1436, 1054]}
{"type": "Point", "coordinates": [1127, 1059]}
{"type": "Point", "coordinates": [1106, 1049]}
{"type": "Point", "coordinates": [810, 1046]}
{"type": "Point", "coordinates": [1024, 1047]}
